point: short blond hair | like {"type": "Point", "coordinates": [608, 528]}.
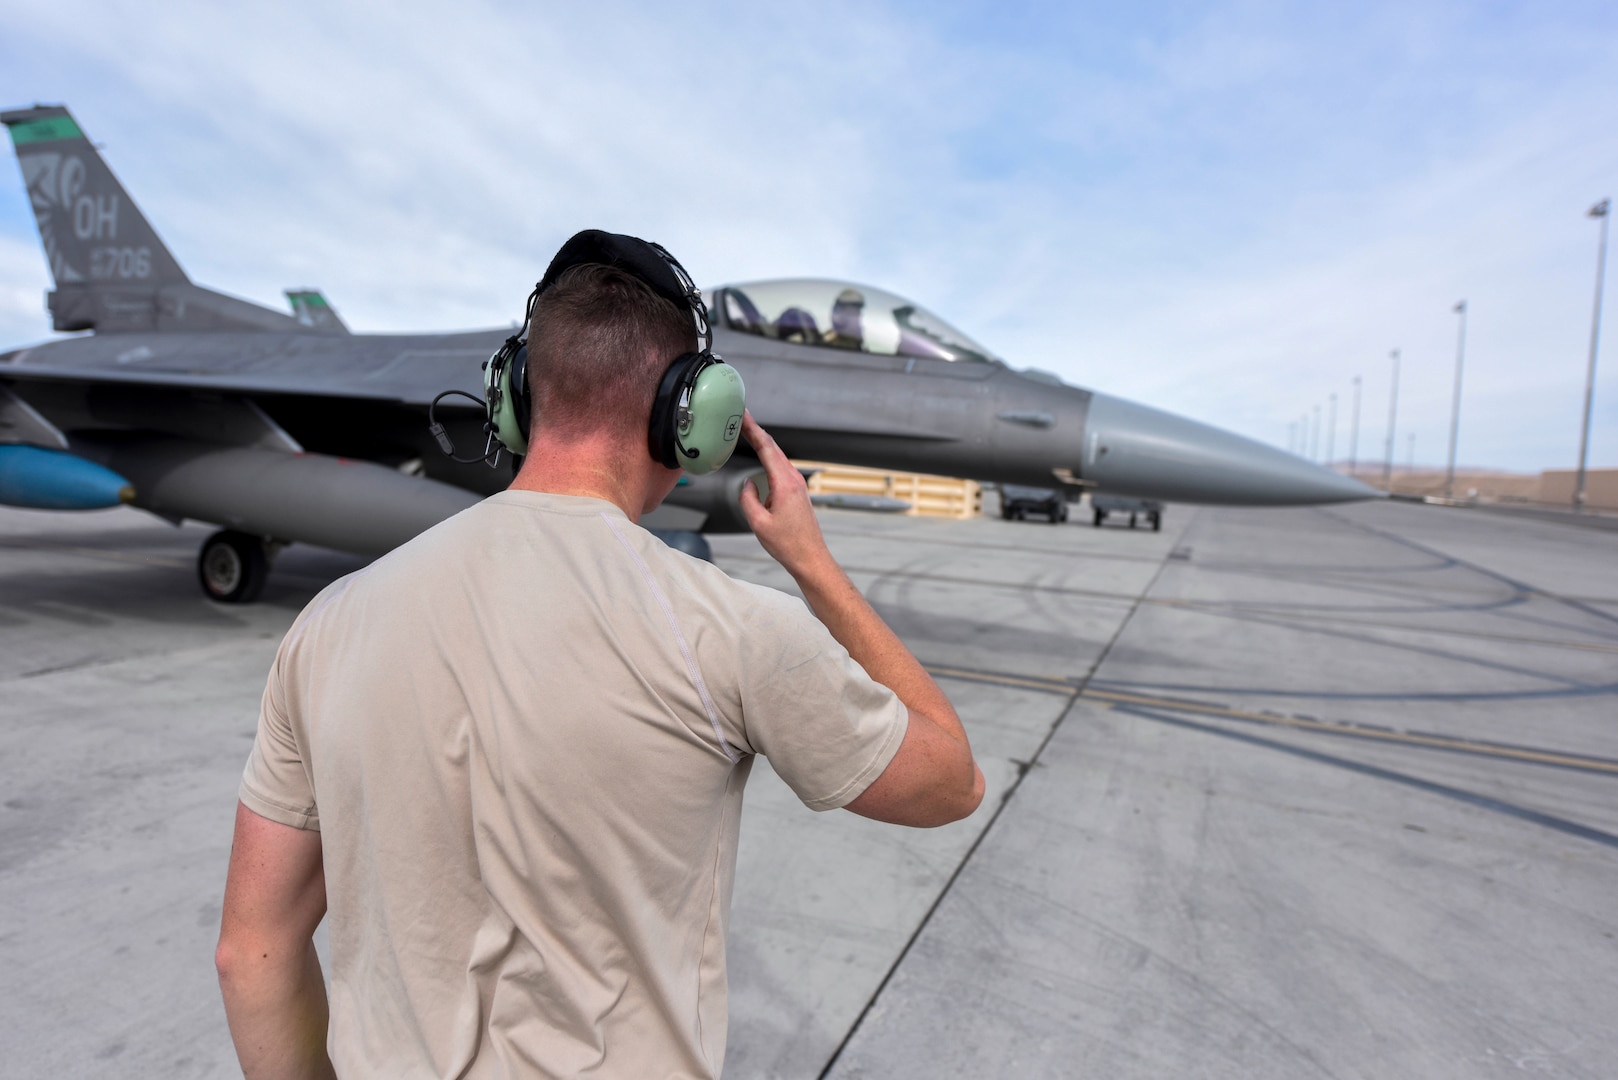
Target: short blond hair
{"type": "Point", "coordinates": [598, 344]}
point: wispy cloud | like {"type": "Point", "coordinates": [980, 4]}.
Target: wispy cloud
{"type": "Point", "coordinates": [1227, 211]}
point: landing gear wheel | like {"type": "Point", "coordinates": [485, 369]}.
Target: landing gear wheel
{"type": "Point", "coordinates": [232, 567]}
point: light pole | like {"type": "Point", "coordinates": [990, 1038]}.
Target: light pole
{"type": "Point", "coordinates": [1292, 436]}
{"type": "Point", "coordinates": [1314, 446]}
{"type": "Point", "coordinates": [1393, 417]}
{"type": "Point", "coordinates": [1599, 210]}
{"type": "Point", "coordinates": [1331, 431]}
{"type": "Point", "coordinates": [1354, 439]}
{"type": "Point", "coordinates": [1455, 408]}
{"type": "Point", "coordinates": [1410, 457]}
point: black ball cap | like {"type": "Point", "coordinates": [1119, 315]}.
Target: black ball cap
{"type": "Point", "coordinates": [628, 253]}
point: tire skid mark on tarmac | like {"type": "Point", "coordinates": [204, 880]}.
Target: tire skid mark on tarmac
{"type": "Point", "coordinates": [1007, 797]}
{"type": "Point", "coordinates": [1576, 603]}
{"type": "Point", "coordinates": [1222, 609]}
{"type": "Point", "coordinates": [1471, 798]}
{"type": "Point", "coordinates": [1346, 729]}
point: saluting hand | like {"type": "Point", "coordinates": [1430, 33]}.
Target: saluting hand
{"type": "Point", "coordinates": [785, 522]}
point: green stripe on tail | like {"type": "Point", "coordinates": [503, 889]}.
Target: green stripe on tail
{"type": "Point", "coordinates": [46, 129]}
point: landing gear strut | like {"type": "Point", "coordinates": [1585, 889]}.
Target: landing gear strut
{"type": "Point", "coordinates": [233, 566]}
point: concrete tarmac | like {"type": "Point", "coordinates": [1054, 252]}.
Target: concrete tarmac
{"type": "Point", "coordinates": [1283, 793]}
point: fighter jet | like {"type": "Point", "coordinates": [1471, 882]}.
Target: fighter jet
{"type": "Point", "coordinates": [287, 428]}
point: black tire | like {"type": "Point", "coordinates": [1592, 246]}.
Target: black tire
{"type": "Point", "coordinates": [1005, 512]}
{"type": "Point", "coordinates": [1059, 515]}
{"type": "Point", "coordinates": [1101, 515]}
{"type": "Point", "coordinates": [232, 567]}
{"type": "Point", "coordinates": [1131, 521]}
{"type": "Point", "coordinates": [1157, 522]}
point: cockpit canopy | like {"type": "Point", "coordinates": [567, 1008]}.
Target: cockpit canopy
{"type": "Point", "coordinates": [838, 315]}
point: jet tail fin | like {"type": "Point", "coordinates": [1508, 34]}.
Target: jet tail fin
{"type": "Point", "coordinates": [112, 272]}
{"type": "Point", "coordinates": [91, 228]}
{"type": "Point", "coordinates": [312, 310]}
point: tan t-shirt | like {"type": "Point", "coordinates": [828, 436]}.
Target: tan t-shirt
{"type": "Point", "coordinates": [523, 737]}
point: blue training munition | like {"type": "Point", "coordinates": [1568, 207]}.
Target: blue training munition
{"type": "Point", "coordinates": [286, 427]}
{"type": "Point", "coordinates": [42, 479]}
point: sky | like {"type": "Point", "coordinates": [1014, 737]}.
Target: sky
{"type": "Point", "coordinates": [1226, 210]}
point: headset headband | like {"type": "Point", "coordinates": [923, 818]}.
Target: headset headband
{"type": "Point", "coordinates": [643, 260]}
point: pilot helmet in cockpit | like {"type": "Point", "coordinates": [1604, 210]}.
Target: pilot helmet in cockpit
{"type": "Point", "coordinates": [846, 312]}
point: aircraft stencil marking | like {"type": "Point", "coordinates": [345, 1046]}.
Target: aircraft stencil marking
{"type": "Point", "coordinates": [120, 262]}
{"type": "Point", "coordinates": [39, 173]}
{"type": "Point", "coordinates": [97, 218]}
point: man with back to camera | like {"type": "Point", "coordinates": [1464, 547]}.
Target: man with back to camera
{"type": "Point", "coordinates": [507, 758]}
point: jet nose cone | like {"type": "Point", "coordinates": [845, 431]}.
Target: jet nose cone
{"type": "Point", "coordinates": [1130, 449]}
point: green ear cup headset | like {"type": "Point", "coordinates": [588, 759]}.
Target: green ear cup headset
{"type": "Point", "coordinates": [505, 389]}
{"type": "Point", "coordinates": [697, 414]}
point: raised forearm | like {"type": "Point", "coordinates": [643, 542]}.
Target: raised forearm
{"type": "Point", "coordinates": [932, 778]}
{"type": "Point", "coordinates": [839, 604]}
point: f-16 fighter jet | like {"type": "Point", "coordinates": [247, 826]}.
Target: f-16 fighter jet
{"type": "Point", "coordinates": [287, 428]}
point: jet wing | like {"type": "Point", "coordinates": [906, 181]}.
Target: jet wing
{"type": "Point", "coordinates": [410, 369]}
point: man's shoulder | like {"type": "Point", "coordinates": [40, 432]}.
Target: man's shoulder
{"type": "Point", "coordinates": [402, 571]}
{"type": "Point", "coordinates": [499, 521]}
{"type": "Point", "coordinates": [696, 577]}
{"type": "Point", "coordinates": [753, 619]}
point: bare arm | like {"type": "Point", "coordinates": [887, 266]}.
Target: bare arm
{"type": "Point", "coordinates": [275, 998]}
{"type": "Point", "coordinates": [933, 779]}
